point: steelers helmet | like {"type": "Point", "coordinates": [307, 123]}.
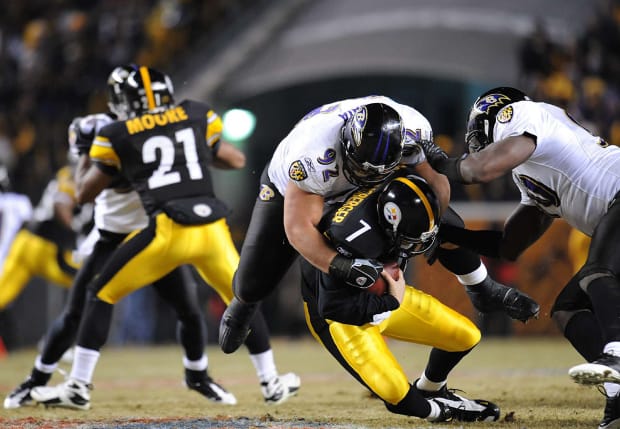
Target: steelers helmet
{"type": "Point", "coordinates": [372, 143]}
{"type": "Point", "coordinates": [409, 214]}
{"type": "Point", "coordinates": [115, 82]}
{"type": "Point", "coordinates": [146, 90]}
{"type": "Point", "coordinates": [483, 114]}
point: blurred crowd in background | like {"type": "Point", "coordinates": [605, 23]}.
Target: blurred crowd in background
{"type": "Point", "coordinates": [55, 56]}
{"type": "Point", "coordinates": [583, 77]}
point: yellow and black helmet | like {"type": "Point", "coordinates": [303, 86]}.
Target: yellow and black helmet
{"type": "Point", "coordinates": [146, 90]}
{"type": "Point", "coordinates": [408, 211]}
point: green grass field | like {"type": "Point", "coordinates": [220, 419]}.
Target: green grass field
{"type": "Point", "coordinates": [142, 387]}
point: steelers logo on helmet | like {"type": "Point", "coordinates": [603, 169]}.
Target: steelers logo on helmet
{"type": "Point", "coordinates": [392, 214]}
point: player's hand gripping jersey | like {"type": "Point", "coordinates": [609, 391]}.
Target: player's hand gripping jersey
{"type": "Point", "coordinates": [165, 159]}
{"type": "Point", "coordinates": [555, 177]}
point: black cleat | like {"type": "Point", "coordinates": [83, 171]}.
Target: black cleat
{"type": "Point", "coordinates": [211, 390]}
{"type": "Point", "coordinates": [445, 413]}
{"type": "Point", "coordinates": [489, 296]}
{"type": "Point", "coordinates": [461, 408]}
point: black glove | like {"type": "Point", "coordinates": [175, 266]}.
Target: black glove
{"type": "Point", "coordinates": [434, 154]}
{"type": "Point", "coordinates": [490, 296]}
{"type": "Point", "coordinates": [360, 273]}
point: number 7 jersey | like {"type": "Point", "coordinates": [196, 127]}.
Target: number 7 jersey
{"type": "Point", "coordinates": [166, 157]}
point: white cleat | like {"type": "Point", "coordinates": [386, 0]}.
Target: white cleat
{"type": "Point", "coordinates": [70, 394]}
{"type": "Point", "coordinates": [280, 388]}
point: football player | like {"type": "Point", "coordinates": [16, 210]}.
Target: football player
{"type": "Point", "coordinates": [118, 212]}
{"type": "Point", "coordinates": [198, 215]}
{"type": "Point", "coordinates": [391, 223]}
{"type": "Point", "coordinates": [562, 170]}
{"type": "Point", "coordinates": [331, 151]}
{"type": "Point", "coordinates": [44, 246]}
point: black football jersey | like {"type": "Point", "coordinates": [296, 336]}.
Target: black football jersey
{"type": "Point", "coordinates": [166, 157]}
{"type": "Point", "coordinates": [353, 227]}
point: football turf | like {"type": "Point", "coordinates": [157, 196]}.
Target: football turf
{"type": "Point", "coordinates": [142, 387]}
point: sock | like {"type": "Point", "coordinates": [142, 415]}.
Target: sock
{"type": "Point", "coordinates": [265, 365]}
{"type": "Point", "coordinates": [196, 365]}
{"type": "Point", "coordinates": [473, 278]}
{"type": "Point", "coordinates": [84, 363]}
{"type": "Point", "coordinates": [424, 383]}
{"type": "Point", "coordinates": [48, 369]}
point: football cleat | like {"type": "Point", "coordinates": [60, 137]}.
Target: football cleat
{"type": "Point", "coordinates": [445, 413]}
{"type": "Point", "coordinates": [611, 417]}
{"type": "Point", "coordinates": [235, 325]}
{"type": "Point", "coordinates": [20, 397]}
{"type": "Point", "coordinates": [461, 408]}
{"type": "Point", "coordinates": [70, 394]}
{"type": "Point", "coordinates": [280, 388]}
{"type": "Point", "coordinates": [489, 296]}
{"type": "Point", "coordinates": [212, 391]}
{"type": "Point", "coordinates": [604, 369]}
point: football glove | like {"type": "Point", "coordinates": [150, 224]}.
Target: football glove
{"type": "Point", "coordinates": [434, 154]}
{"type": "Point", "coordinates": [360, 273]}
{"type": "Point", "coordinates": [490, 296]}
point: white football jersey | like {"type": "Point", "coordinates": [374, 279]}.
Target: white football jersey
{"type": "Point", "coordinates": [311, 154]}
{"type": "Point", "coordinates": [118, 212]}
{"type": "Point", "coordinates": [15, 209]}
{"type": "Point", "coordinates": [571, 174]}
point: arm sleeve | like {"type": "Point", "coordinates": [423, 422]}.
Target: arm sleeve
{"type": "Point", "coordinates": [484, 242]}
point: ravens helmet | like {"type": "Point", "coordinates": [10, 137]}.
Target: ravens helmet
{"type": "Point", "coordinates": [483, 113]}
{"type": "Point", "coordinates": [372, 142]}
{"type": "Point", "coordinates": [116, 80]}
{"type": "Point", "coordinates": [409, 213]}
{"type": "Point", "coordinates": [146, 90]}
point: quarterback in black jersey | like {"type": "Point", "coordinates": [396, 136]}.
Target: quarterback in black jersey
{"type": "Point", "coordinates": [391, 222]}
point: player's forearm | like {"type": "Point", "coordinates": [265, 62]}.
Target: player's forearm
{"type": "Point", "coordinates": [311, 246]}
